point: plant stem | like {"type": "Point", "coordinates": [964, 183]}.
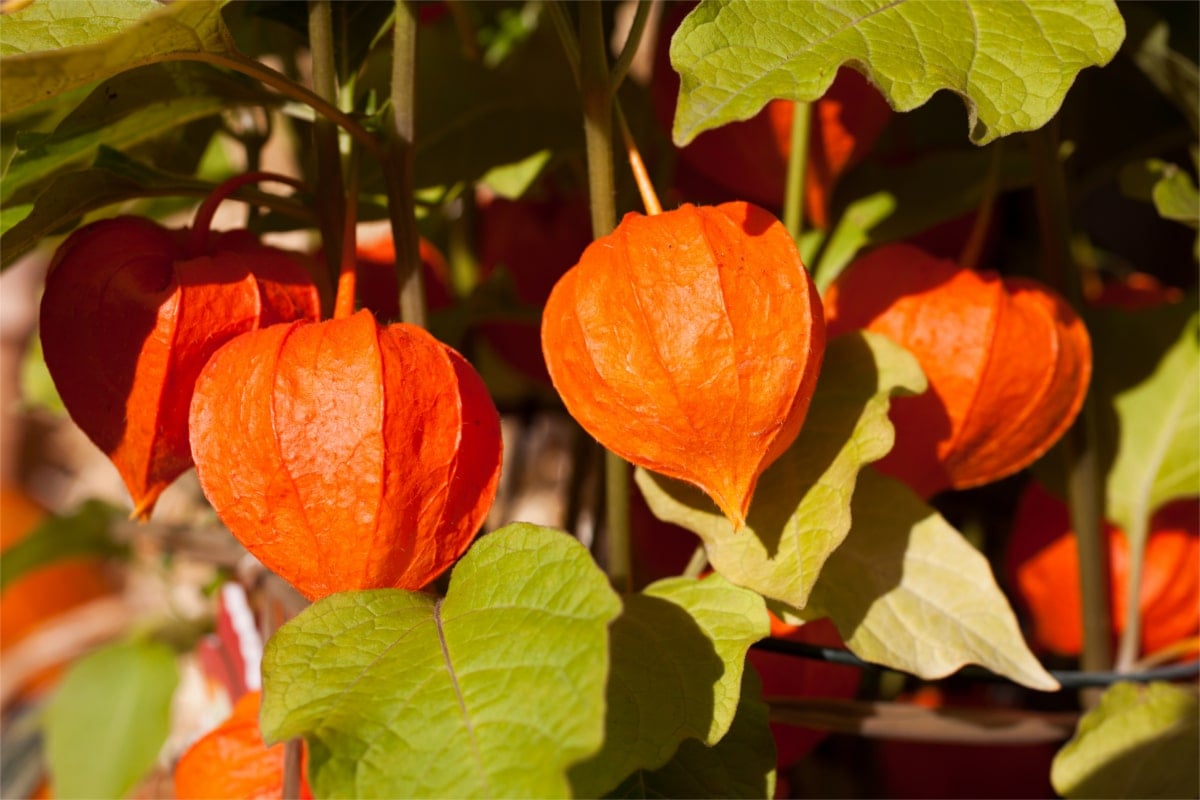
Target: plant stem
{"type": "Point", "coordinates": [398, 166]}
{"type": "Point", "coordinates": [629, 50]}
{"type": "Point", "coordinates": [793, 199]}
{"type": "Point", "coordinates": [288, 88]}
{"type": "Point", "coordinates": [640, 175]}
{"type": "Point", "coordinates": [331, 194]}
{"type": "Point", "coordinates": [202, 221]}
{"type": "Point", "coordinates": [348, 265]}
{"type": "Point", "coordinates": [597, 127]}
{"type": "Point", "coordinates": [1085, 487]}
{"type": "Point", "coordinates": [973, 249]}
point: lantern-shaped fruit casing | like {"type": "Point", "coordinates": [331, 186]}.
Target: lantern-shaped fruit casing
{"type": "Point", "coordinates": [689, 343]}
{"type": "Point", "coordinates": [1008, 364]}
{"type": "Point", "coordinates": [1042, 563]}
{"type": "Point", "coordinates": [344, 454]}
{"type": "Point", "coordinates": [129, 317]}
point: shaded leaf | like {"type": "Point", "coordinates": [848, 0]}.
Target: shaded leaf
{"type": "Point", "coordinates": [678, 650]}
{"type": "Point", "coordinates": [493, 691]}
{"type": "Point", "coordinates": [801, 508]}
{"type": "Point", "coordinates": [1171, 72]}
{"type": "Point", "coordinates": [84, 532]}
{"type": "Point", "coordinates": [742, 764]}
{"type": "Point", "coordinates": [49, 48]}
{"type": "Point", "coordinates": [123, 111]}
{"type": "Point", "coordinates": [907, 591]}
{"type": "Point", "coordinates": [109, 718]}
{"type": "Point", "coordinates": [1158, 439]}
{"type": "Point", "coordinates": [1140, 741]}
{"type": "Point", "coordinates": [1012, 63]}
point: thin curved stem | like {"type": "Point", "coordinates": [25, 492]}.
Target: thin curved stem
{"type": "Point", "coordinates": [640, 174]}
{"type": "Point", "coordinates": [567, 36]}
{"type": "Point", "coordinates": [629, 50]}
{"type": "Point", "coordinates": [793, 199]}
{"type": "Point", "coordinates": [202, 221]}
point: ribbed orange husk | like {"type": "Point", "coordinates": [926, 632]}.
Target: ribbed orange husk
{"type": "Point", "coordinates": [346, 455]}
{"type": "Point", "coordinates": [1008, 364]}
{"type": "Point", "coordinates": [232, 761]}
{"type": "Point", "coordinates": [1042, 563]}
{"type": "Point", "coordinates": [689, 343]}
{"type": "Point", "coordinates": [128, 319]}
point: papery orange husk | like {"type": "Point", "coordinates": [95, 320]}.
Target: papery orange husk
{"type": "Point", "coordinates": [1042, 562]}
{"type": "Point", "coordinates": [1008, 364]}
{"type": "Point", "coordinates": [689, 343]}
{"type": "Point", "coordinates": [128, 319]}
{"type": "Point", "coordinates": [344, 454]}
{"type": "Point", "coordinates": [232, 761]}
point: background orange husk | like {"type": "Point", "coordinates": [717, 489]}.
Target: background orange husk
{"type": "Point", "coordinates": [689, 343]}
{"type": "Point", "coordinates": [344, 454]}
{"type": "Point", "coordinates": [129, 318]}
{"type": "Point", "coordinates": [1008, 364]}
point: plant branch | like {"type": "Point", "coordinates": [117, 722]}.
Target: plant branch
{"type": "Point", "coordinates": [331, 194]}
{"type": "Point", "coordinates": [398, 165]}
{"type": "Point", "coordinates": [793, 200]}
{"type": "Point", "coordinates": [973, 249]}
{"type": "Point", "coordinates": [567, 36]}
{"type": "Point", "coordinates": [1085, 487]}
{"type": "Point", "coordinates": [597, 126]}
{"type": "Point", "coordinates": [629, 50]}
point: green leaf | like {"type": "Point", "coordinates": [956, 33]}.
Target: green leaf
{"type": "Point", "coordinates": [907, 591]}
{"type": "Point", "coordinates": [801, 507]}
{"type": "Point", "coordinates": [742, 764]}
{"type": "Point", "coordinates": [493, 691]}
{"type": "Point", "coordinates": [125, 110]}
{"type": "Point", "coordinates": [1157, 455]}
{"type": "Point", "coordinates": [49, 48]}
{"type": "Point", "coordinates": [511, 181]}
{"type": "Point", "coordinates": [1168, 186]}
{"type": "Point", "coordinates": [109, 718]}
{"type": "Point", "coordinates": [1171, 72]}
{"type": "Point", "coordinates": [474, 119]}
{"type": "Point", "coordinates": [1140, 741]}
{"type": "Point", "coordinates": [85, 532]}
{"type": "Point", "coordinates": [896, 202]}
{"type": "Point", "coordinates": [1012, 62]}
{"type": "Point", "coordinates": [677, 652]}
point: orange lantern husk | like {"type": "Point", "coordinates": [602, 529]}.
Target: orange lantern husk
{"type": "Point", "coordinates": [1008, 364]}
{"type": "Point", "coordinates": [128, 319]}
{"type": "Point", "coordinates": [344, 454]}
{"type": "Point", "coordinates": [689, 343]}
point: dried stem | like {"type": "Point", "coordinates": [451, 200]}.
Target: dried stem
{"type": "Point", "coordinates": [640, 175]}
{"type": "Point", "coordinates": [202, 221]}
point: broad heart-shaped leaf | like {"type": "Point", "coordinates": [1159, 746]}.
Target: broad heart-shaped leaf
{"type": "Point", "coordinates": [491, 692]}
{"type": "Point", "coordinates": [109, 718]}
{"type": "Point", "coordinates": [49, 48]}
{"type": "Point", "coordinates": [801, 508]}
{"type": "Point", "coordinates": [676, 672]}
{"type": "Point", "coordinates": [742, 764]}
{"type": "Point", "coordinates": [907, 591]}
{"type": "Point", "coordinates": [129, 108]}
{"type": "Point", "coordinates": [1158, 411]}
{"type": "Point", "coordinates": [1012, 62]}
{"type": "Point", "coordinates": [1140, 741]}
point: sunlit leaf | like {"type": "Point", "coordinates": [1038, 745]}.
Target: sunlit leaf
{"type": "Point", "coordinates": [678, 650]}
{"type": "Point", "coordinates": [493, 691]}
{"type": "Point", "coordinates": [1140, 741]}
{"type": "Point", "coordinates": [907, 591]}
{"type": "Point", "coordinates": [1012, 62]}
{"type": "Point", "coordinates": [801, 508]}
{"type": "Point", "coordinates": [50, 47]}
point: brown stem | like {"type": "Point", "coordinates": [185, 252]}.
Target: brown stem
{"type": "Point", "coordinates": [202, 222]}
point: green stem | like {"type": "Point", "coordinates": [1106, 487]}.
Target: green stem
{"type": "Point", "coordinates": [973, 249]}
{"type": "Point", "coordinates": [628, 50]}
{"type": "Point", "coordinates": [1085, 487]}
{"type": "Point", "coordinates": [398, 166]}
{"type": "Point", "coordinates": [1129, 646]}
{"type": "Point", "coordinates": [288, 88]}
{"type": "Point", "coordinates": [793, 200]}
{"type": "Point", "coordinates": [567, 36]}
{"type": "Point", "coordinates": [331, 194]}
{"type": "Point", "coordinates": [598, 134]}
